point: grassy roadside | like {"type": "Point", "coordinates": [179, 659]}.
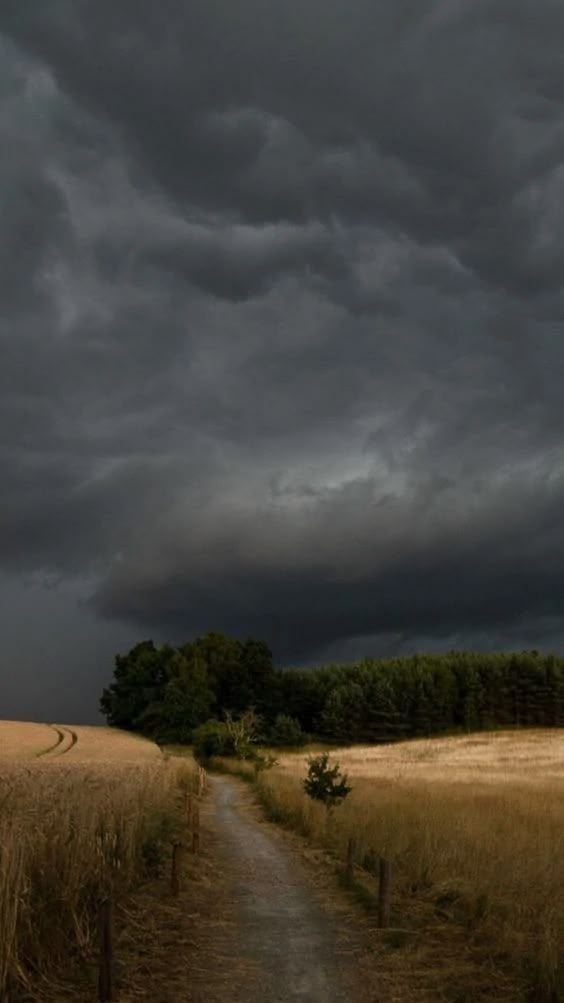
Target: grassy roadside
{"type": "Point", "coordinates": [475, 864]}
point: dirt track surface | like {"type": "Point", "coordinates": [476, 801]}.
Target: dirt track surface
{"type": "Point", "coordinates": [258, 920]}
{"type": "Point", "coordinates": [282, 926]}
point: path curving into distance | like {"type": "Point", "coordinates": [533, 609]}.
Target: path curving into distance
{"type": "Point", "coordinates": [286, 936]}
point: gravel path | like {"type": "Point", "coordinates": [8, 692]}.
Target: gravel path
{"type": "Point", "coordinates": [259, 918]}
{"type": "Point", "coordinates": [281, 923]}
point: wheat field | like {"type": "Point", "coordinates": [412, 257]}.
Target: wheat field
{"type": "Point", "coordinates": [22, 740]}
{"type": "Point", "coordinates": [474, 828]}
{"type": "Point", "coordinates": [83, 813]}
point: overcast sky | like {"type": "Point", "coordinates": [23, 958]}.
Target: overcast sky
{"type": "Point", "coordinates": [281, 330]}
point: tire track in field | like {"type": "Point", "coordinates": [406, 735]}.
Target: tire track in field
{"type": "Point", "coordinates": [52, 748]}
{"type": "Point", "coordinates": [67, 738]}
{"type": "Point", "coordinates": [74, 737]}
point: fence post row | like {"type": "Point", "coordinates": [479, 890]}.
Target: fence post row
{"type": "Point", "coordinates": [105, 911]}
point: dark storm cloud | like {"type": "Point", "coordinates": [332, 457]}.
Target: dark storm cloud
{"type": "Point", "coordinates": [281, 316]}
{"type": "Point", "coordinates": [442, 119]}
{"type": "Point", "coordinates": [433, 564]}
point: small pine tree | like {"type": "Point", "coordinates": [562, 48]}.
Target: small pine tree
{"type": "Point", "coordinates": [326, 783]}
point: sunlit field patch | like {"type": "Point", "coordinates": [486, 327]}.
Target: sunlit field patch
{"type": "Point", "coordinates": [474, 828]}
{"type": "Point", "coordinates": [98, 745]}
{"type": "Point", "coordinates": [25, 740]}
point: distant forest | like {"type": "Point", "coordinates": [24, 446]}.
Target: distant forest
{"type": "Point", "coordinates": [166, 693]}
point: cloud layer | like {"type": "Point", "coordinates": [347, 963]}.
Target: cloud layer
{"type": "Point", "coordinates": [282, 312]}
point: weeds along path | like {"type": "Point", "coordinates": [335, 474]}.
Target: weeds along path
{"type": "Point", "coordinates": [297, 949]}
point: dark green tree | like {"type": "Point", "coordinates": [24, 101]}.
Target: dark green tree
{"type": "Point", "coordinates": [140, 679]}
{"type": "Point", "coordinates": [187, 699]}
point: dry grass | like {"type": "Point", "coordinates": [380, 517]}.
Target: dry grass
{"type": "Point", "coordinates": [73, 827]}
{"type": "Point", "coordinates": [99, 745]}
{"type": "Point", "coordinates": [533, 757]}
{"type": "Point", "coordinates": [22, 740]}
{"type": "Point", "coordinates": [474, 827]}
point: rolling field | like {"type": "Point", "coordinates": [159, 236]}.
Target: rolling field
{"type": "Point", "coordinates": [472, 825]}
{"type": "Point", "coordinates": [83, 813]}
{"type": "Point", "coordinates": [474, 828]}
{"type": "Point", "coordinates": [21, 741]}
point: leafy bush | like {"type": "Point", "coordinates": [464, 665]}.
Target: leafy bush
{"type": "Point", "coordinates": [286, 730]}
{"type": "Point", "coordinates": [212, 739]}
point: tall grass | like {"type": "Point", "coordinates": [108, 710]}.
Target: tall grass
{"type": "Point", "coordinates": [472, 845]}
{"type": "Point", "coordinates": [70, 833]}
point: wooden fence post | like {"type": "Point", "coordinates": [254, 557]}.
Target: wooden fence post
{"type": "Point", "coordinates": [188, 808]}
{"type": "Point", "coordinates": [384, 893]}
{"type": "Point", "coordinates": [196, 828]}
{"type": "Point", "coordinates": [349, 870]}
{"type": "Point", "coordinates": [106, 955]}
{"type": "Point", "coordinates": [174, 877]}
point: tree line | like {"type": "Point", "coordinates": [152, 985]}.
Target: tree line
{"type": "Point", "coordinates": [167, 693]}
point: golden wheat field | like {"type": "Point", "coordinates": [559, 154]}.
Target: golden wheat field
{"type": "Point", "coordinates": [534, 757]}
{"type": "Point", "coordinates": [21, 740]}
{"type": "Point", "coordinates": [474, 827]}
{"type": "Point", "coordinates": [83, 812]}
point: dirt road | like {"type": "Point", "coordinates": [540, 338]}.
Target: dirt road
{"type": "Point", "coordinates": [256, 921]}
{"type": "Point", "coordinates": [282, 925]}
{"type": "Point", "coordinates": [291, 944]}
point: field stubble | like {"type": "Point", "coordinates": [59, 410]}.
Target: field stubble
{"type": "Point", "coordinates": [473, 826]}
